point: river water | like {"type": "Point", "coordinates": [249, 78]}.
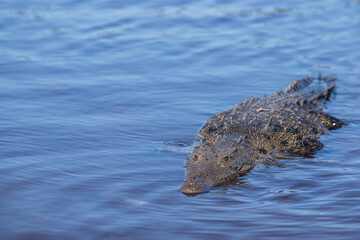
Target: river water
{"type": "Point", "coordinates": [101, 102]}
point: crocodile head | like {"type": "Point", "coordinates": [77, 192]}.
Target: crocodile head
{"type": "Point", "coordinates": [210, 165]}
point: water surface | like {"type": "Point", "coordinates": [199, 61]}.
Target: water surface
{"type": "Point", "coordinates": [101, 102]}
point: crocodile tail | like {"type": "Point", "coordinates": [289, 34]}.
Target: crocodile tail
{"type": "Point", "coordinates": [312, 91]}
{"type": "Point", "coordinates": [327, 83]}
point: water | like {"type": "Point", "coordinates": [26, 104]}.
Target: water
{"type": "Point", "coordinates": [101, 102]}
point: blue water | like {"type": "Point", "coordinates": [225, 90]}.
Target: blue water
{"type": "Point", "coordinates": [101, 102]}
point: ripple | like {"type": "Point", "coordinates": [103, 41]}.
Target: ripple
{"type": "Point", "coordinates": [176, 147]}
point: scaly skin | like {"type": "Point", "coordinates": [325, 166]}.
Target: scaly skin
{"type": "Point", "coordinates": [283, 124]}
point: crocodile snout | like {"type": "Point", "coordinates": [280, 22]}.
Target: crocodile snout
{"type": "Point", "coordinates": [192, 187]}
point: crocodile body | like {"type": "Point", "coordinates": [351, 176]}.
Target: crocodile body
{"type": "Point", "coordinates": [284, 124]}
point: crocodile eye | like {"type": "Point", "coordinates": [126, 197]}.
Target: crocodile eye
{"type": "Point", "coordinates": [225, 158]}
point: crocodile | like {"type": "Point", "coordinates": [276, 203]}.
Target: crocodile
{"type": "Point", "coordinates": [282, 125]}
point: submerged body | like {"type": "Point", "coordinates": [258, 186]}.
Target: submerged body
{"type": "Point", "coordinates": [284, 124]}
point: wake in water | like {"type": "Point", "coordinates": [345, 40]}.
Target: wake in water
{"type": "Point", "coordinates": [176, 147]}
